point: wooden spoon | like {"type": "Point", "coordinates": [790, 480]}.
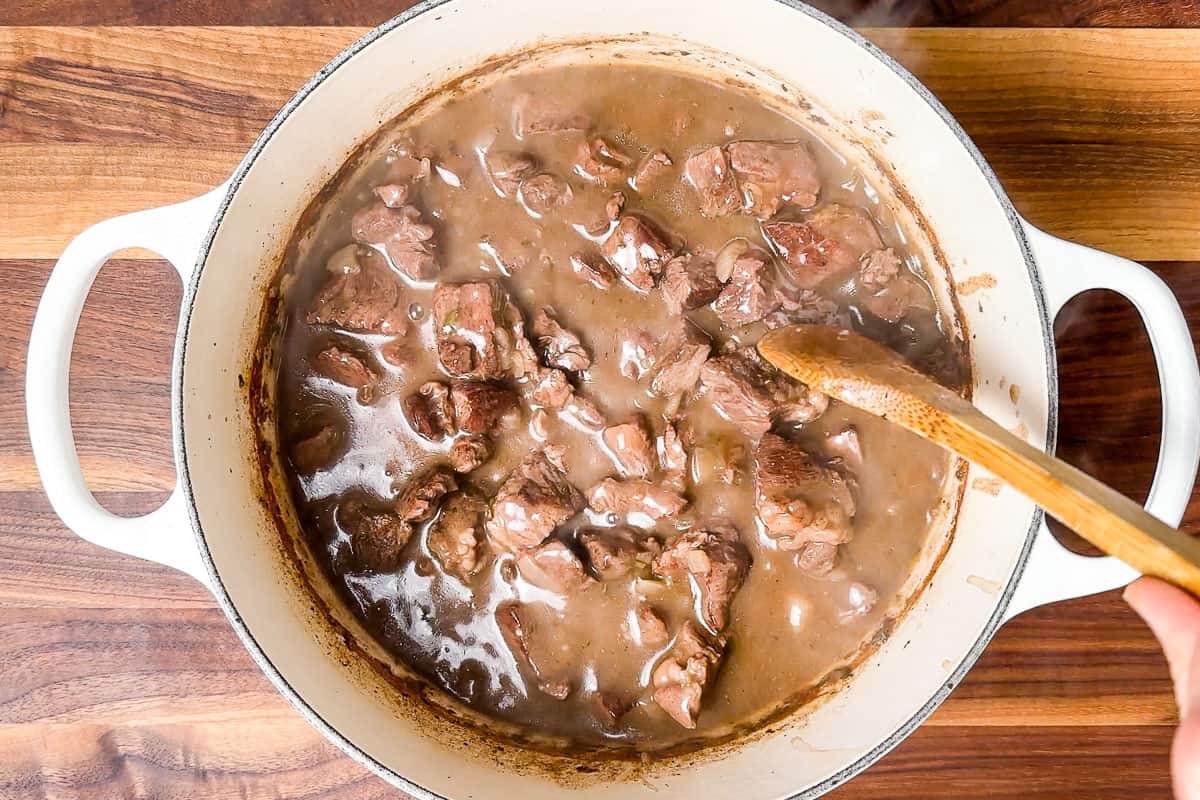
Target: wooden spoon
{"type": "Point", "coordinates": [867, 375]}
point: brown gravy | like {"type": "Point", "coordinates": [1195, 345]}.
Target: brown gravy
{"type": "Point", "coordinates": [575, 646]}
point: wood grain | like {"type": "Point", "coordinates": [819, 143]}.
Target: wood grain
{"type": "Point", "coordinates": [121, 679]}
{"type": "Point", "coordinates": [1084, 127]}
{"type": "Point", "coordinates": [1118, 13]}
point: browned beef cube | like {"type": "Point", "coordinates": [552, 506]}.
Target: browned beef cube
{"type": "Point", "coordinates": [635, 496]}
{"type": "Point", "coordinates": [613, 553]}
{"type": "Point", "coordinates": [361, 294]}
{"type": "Point", "coordinates": [817, 558]}
{"type": "Point", "coordinates": [749, 296]}
{"type": "Point", "coordinates": [689, 281]}
{"type": "Point", "coordinates": [455, 537]}
{"type": "Point", "coordinates": [464, 319]}
{"type": "Point", "coordinates": [800, 501]}
{"type": "Point", "coordinates": [770, 174]}
{"type": "Point", "coordinates": [469, 453]}
{"type": "Point", "coordinates": [599, 161]}
{"type": "Point", "coordinates": [716, 187]}
{"type": "Point", "coordinates": [585, 413]}
{"type": "Point", "coordinates": [559, 347]}
{"type": "Point", "coordinates": [636, 252]}
{"type": "Point", "coordinates": [681, 677]}
{"type": "Point", "coordinates": [593, 270]}
{"type": "Point", "coordinates": [544, 193]}
{"type": "Point", "coordinates": [399, 231]}
{"type": "Point", "coordinates": [478, 406]}
{"type": "Point", "coordinates": [740, 391]}
{"type": "Point", "coordinates": [393, 195]}
{"type": "Point", "coordinates": [898, 299]}
{"type": "Point", "coordinates": [826, 245]}
{"type": "Point", "coordinates": [429, 412]}
{"type": "Point", "coordinates": [348, 369]}
{"type": "Point", "coordinates": [377, 537]}
{"type": "Point", "coordinates": [714, 561]}
{"type": "Point", "coordinates": [551, 389]}
{"type": "Point", "coordinates": [507, 169]}
{"type": "Point", "coordinates": [418, 499]}
{"type": "Point", "coordinates": [629, 445]}
{"type": "Point", "coordinates": [679, 359]}
{"type": "Point", "coordinates": [534, 500]}
{"type": "Point", "coordinates": [554, 567]}
{"type": "Point", "coordinates": [650, 170]}
{"type": "Point", "coordinates": [877, 269]}
{"type": "Point", "coordinates": [651, 630]}
{"type": "Point", "coordinates": [318, 450]}
{"type": "Point", "coordinates": [533, 116]}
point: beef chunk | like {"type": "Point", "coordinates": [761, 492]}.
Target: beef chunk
{"type": "Point", "coordinates": [454, 538]}
{"type": "Point", "coordinates": [469, 453]}
{"type": "Point", "coordinates": [399, 231]}
{"type": "Point", "coordinates": [585, 412]}
{"type": "Point", "coordinates": [805, 306]}
{"type": "Point", "coordinates": [739, 389]}
{"type": "Point", "coordinates": [554, 567]}
{"type": "Point", "coordinates": [651, 630]}
{"type": "Point", "coordinates": [560, 348]}
{"type": "Point", "coordinates": [479, 406]}
{"type": "Point", "coordinates": [636, 252]}
{"type": "Point", "coordinates": [534, 500]}
{"type": "Point", "coordinates": [522, 360]}
{"type": "Point", "coordinates": [593, 270]}
{"type": "Point", "coordinates": [895, 301]}
{"type": "Point", "coordinates": [680, 358]}
{"type": "Point", "coordinates": [817, 558]}
{"type": "Point", "coordinates": [597, 160]}
{"type": "Point", "coordinates": [681, 677]}
{"type": "Point", "coordinates": [348, 369]}
{"type": "Point", "coordinates": [361, 294]}
{"type": "Point", "coordinates": [826, 245]}
{"type": "Point", "coordinates": [714, 562]}
{"type": "Point", "coordinates": [629, 445]}
{"type": "Point", "coordinates": [419, 498]}
{"type": "Point", "coordinates": [393, 195]}
{"type": "Point", "coordinates": [429, 412]}
{"type": "Point", "coordinates": [748, 297]}
{"type": "Point", "coordinates": [540, 115]}
{"type": "Point", "coordinates": [800, 501]}
{"type": "Point", "coordinates": [770, 174]}
{"type": "Point", "coordinates": [377, 537]}
{"type": "Point", "coordinates": [637, 354]}
{"type": "Point", "coordinates": [507, 169]}
{"type": "Point", "coordinates": [615, 553]}
{"type": "Point", "coordinates": [551, 389]}
{"type": "Point", "coordinates": [672, 455]}
{"type": "Point", "coordinates": [613, 206]}
{"type": "Point", "coordinates": [318, 450]}
{"type": "Point", "coordinates": [465, 326]}
{"type": "Point", "coordinates": [635, 496]}
{"type": "Point", "coordinates": [689, 281]}
{"type": "Point", "coordinates": [877, 269]}
{"type": "Point", "coordinates": [544, 193]}
{"type": "Point", "coordinates": [651, 169]}
{"type": "Point", "coordinates": [710, 175]}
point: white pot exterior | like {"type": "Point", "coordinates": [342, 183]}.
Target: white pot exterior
{"type": "Point", "coordinates": [861, 93]}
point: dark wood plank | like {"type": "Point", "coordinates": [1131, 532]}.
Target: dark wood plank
{"type": "Point", "coordinates": [993, 13]}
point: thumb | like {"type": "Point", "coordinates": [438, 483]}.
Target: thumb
{"type": "Point", "coordinates": [1174, 617]}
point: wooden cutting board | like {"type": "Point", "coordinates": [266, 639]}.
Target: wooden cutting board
{"type": "Point", "coordinates": [119, 678]}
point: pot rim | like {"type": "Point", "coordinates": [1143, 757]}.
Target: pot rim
{"type": "Point", "coordinates": [180, 443]}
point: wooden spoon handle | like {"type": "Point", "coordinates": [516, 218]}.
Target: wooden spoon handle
{"type": "Point", "coordinates": [864, 374]}
{"type": "Point", "coordinates": [1098, 513]}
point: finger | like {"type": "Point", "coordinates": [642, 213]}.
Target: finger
{"type": "Point", "coordinates": [1185, 759]}
{"type": "Point", "coordinates": [1174, 617]}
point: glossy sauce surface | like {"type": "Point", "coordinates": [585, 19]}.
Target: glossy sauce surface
{"type": "Point", "coordinates": [788, 626]}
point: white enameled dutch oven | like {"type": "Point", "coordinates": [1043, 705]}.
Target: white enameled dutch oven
{"type": "Point", "coordinates": [998, 561]}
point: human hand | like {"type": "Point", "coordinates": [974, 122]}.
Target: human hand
{"type": "Point", "coordinates": [1174, 617]}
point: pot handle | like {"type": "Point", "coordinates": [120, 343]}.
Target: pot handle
{"type": "Point", "coordinates": [175, 232]}
{"type": "Point", "coordinates": [1053, 572]}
